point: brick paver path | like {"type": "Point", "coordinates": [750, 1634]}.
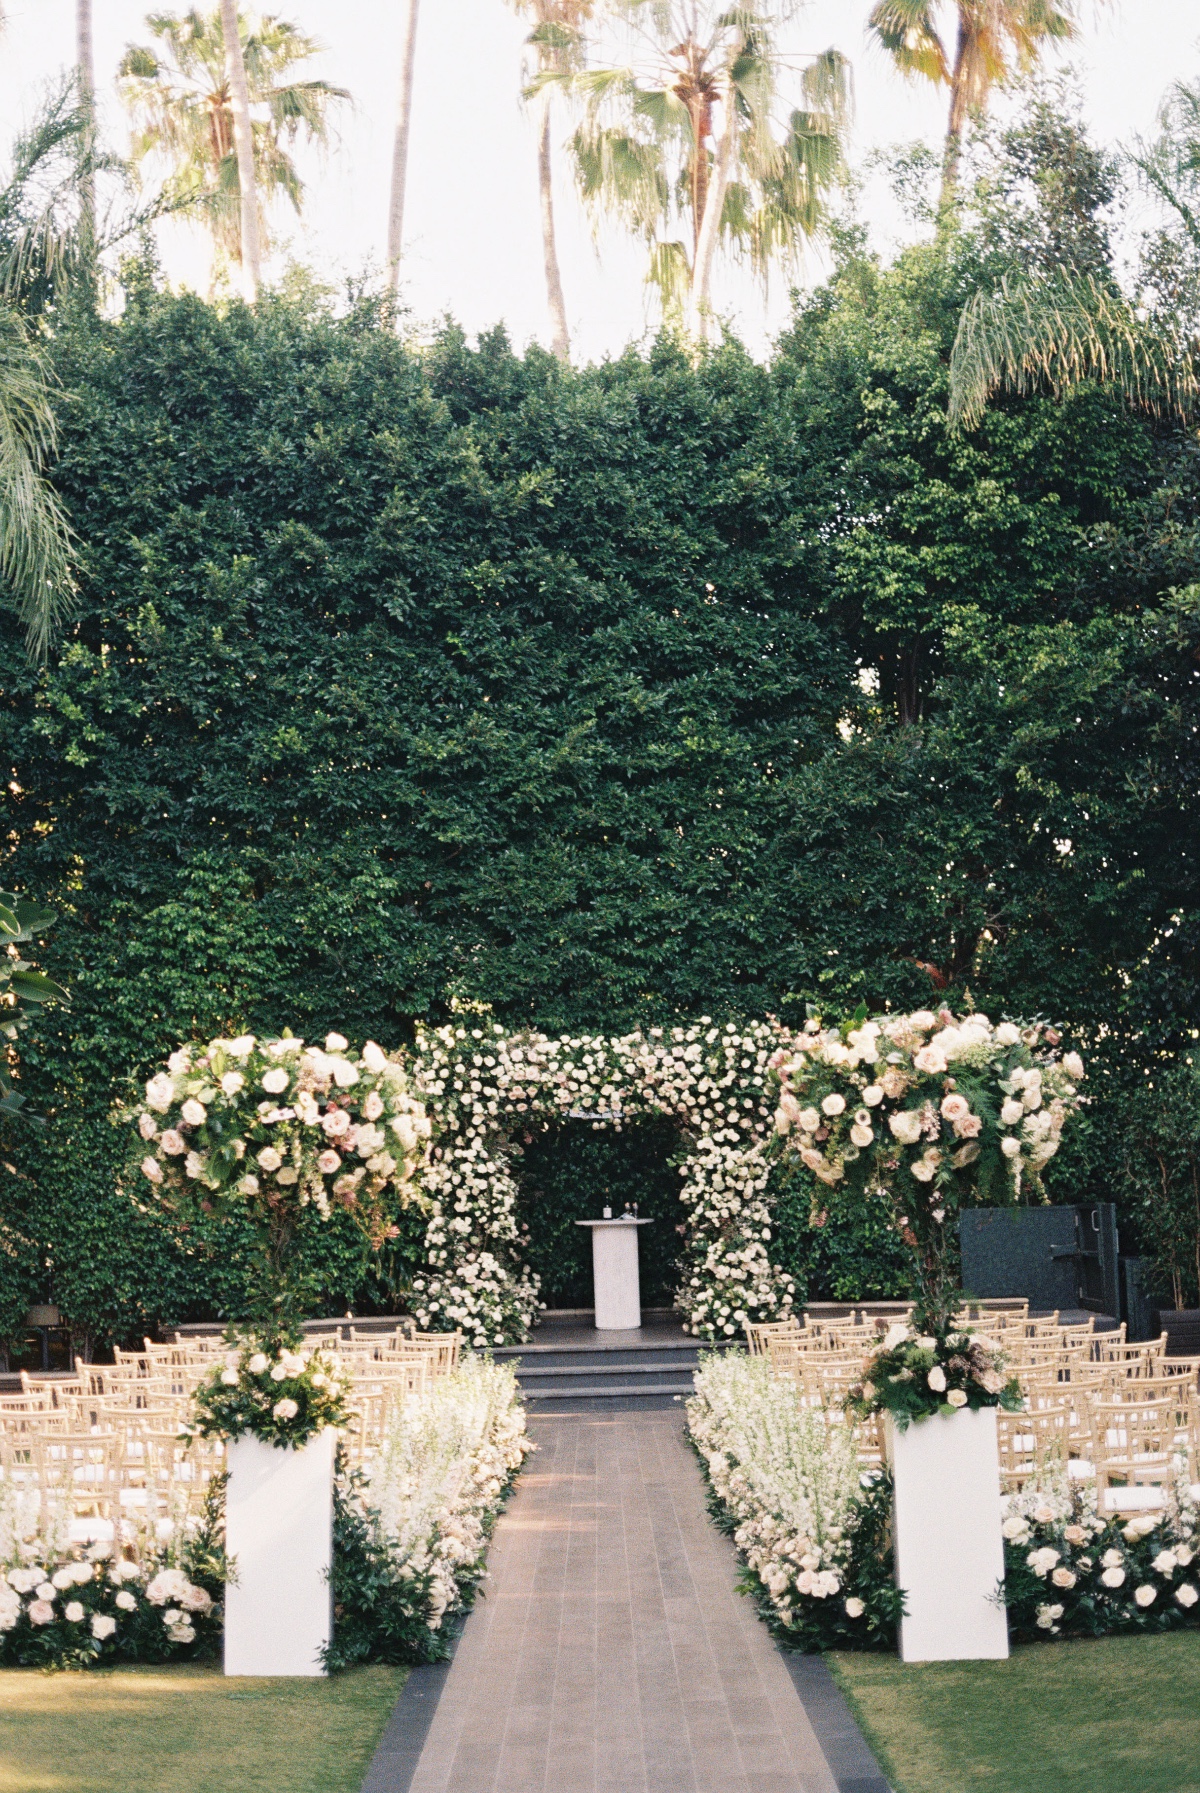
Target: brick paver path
{"type": "Point", "coordinates": [611, 1653]}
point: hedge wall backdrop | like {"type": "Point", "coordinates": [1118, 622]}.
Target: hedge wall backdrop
{"type": "Point", "coordinates": [410, 676]}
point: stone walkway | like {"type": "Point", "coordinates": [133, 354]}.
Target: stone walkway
{"type": "Point", "coordinates": [611, 1653]}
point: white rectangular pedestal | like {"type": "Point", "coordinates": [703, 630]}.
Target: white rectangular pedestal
{"type": "Point", "coordinates": [949, 1547]}
{"type": "Point", "coordinates": [279, 1531]}
{"type": "Point", "coordinates": [618, 1296]}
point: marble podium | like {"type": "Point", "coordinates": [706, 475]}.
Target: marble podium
{"type": "Point", "coordinates": [618, 1294]}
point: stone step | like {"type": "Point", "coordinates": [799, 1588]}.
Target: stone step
{"type": "Point", "coordinates": [657, 1395]}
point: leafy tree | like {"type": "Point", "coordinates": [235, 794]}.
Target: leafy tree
{"type": "Point", "coordinates": [181, 95]}
{"type": "Point", "coordinates": [686, 134]}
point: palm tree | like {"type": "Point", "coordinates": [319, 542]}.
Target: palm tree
{"type": "Point", "coordinates": [993, 39]}
{"type": "Point", "coordinates": [408, 62]}
{"type": "Point", "coordinates": [685, 134]}
{"type": "Point", "coordinates": [185, 97]}
{"type": "Point", "coordinates": [35, 557]}
{"type": "Point", "coordinates": [557, 41]}
{"type": "Point", "coordinates": [243, 145]}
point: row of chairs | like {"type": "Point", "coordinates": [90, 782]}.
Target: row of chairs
{"type": "Point", "coordinates": [113, 1442]}
{"type": "Point", "coordinates": [1095, 1404]}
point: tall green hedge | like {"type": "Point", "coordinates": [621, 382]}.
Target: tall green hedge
{"type": "Point", "coordinates": [409, 675]}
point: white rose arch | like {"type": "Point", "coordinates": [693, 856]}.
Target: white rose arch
{"type": "Point", "coordinates": [483, 1085]}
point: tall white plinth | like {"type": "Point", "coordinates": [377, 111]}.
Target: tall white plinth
{"type": "Point", "coordinates": [949, 1547]}
{"type": "Point", "coordinates": [618, 1294]}
{"type": "Point", "coordinates": [279, 1531]}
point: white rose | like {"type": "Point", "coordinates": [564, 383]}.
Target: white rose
{"type": "Point", "coordinates": [160, 1093]}
{"type": "Point", "coordinates": [73, 1612]}
{"type": "Point", "coordinates": [278, 1372]}
{"type": "Point", "coordinates": [229, 1378]}
{"type": "Point", "coordinates": [147, 1126]}
{"type": "Point", "coordinates": [937, 1379]}
{"type": "Point", "coordinates": [860, 1135]}
{"type": "Point", "coordinates": [1113, 1578]}
{"type": "Point", "coordinates": [1015, 1529]}
{"type": "Point", "coordinates": [126, 1601]}
{"type": "Point", "coordinates": [373, 1106]}
{"type": "Point", "coordinates": [1145, 1595]}
{"type": "Point", "coordinates": [285, 1409]}
{"type": "Point", "coordinates": [62, 1578]}
{"type": "Point", "coordinates": [269, 1158]}
{"type": "Point", "coordinates": [921, 1019]}
{"type": "Point", "coordinates": [249, 1185]}
{"type": "Point", "coordinates": [172, 1142]}
{"type": "Point", "coordinates": [1063, 1578]}
{"type": "Point", "coordinates": [873, 1095]}
{"type": "Point", "coordinates": [1073, 1065]}
{"type": "Point", "coordinates": [1165, 1563]}
{"type": "Point", "coordinates": [275, 1081]}
{"type": "Point", "coordinates": [1186, 1594]}
{"type": "Point", "coordinates": [193, 1113]}
{"type": "Point", "coordinates": [957, 1398]}
{"type": "Point", "coordinates": [152, 1168]}
{"type": "Point", "coordinates": [931, 1061]}
{"type": "Point", "coordinates": [288, 1175]}
{"type": "Point", "coordinates": [905, 1125]}
{"type": "Point", "coordinates": [809, 1119]}
{"type": "Point", "coordinates": [258, 1363]}
{"type": "Point", "coordinates": [1007, 1034]}
{"type": "Point", "coordinates": [373, 1057]}
{"type": "Point", "coordinates": [103, 1625]}
{"type": "Point", "coordinates": [336, 1042]}
{"type": "Point", "coordinates": [834, 1104]}
{"type": "Point", "coordinates": [855, 1608]}
{"type": "Point", "coordinates": [232, 1082]}
{"type": "Point", "coordinates": [345, 1075]}
{"type": "Point", "coordinates": [1010, 1147]}
{"type": "Point", "coordinates": [1011, 1112]}
{"type": "Point", "coordinates": [1042, 1561]}
{"type": "Point", "coordinates": [242, 1047]}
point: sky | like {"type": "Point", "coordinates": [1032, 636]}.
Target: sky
{"type": "Point", "coordinates": [472, 236]}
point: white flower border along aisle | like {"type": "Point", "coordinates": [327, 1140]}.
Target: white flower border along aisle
{"type": "Point", "coordinates": [485, 1088]}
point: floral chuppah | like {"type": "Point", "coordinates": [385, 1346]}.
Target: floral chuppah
{"type": "Point", "coordinates": [485, 1087]}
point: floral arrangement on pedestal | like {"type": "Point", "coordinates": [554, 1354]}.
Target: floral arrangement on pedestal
{"type": "Point", "coordinates": [1071, 1571]}
{"type": "Point", "coordinates": [488, 1089]}
{"type": "Point", "coordinates": [927, 1113]}
{"type": "Point", "coordinates": [274, 1390]}
{"type": "Point", "coordinates": [787, 1486]}
{"type": "Point", "coordinates": [275, 1126]}
{"type": "Point", "coordinates": [911, 1377]}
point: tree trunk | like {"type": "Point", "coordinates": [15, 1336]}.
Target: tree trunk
{"type": "Point", "coordinates": [243, 143]}
{"type": "Point", "coordinates": [554, 292]}
{"type": "Point", "coordinates": [85, 66]}
{"type": "Point", "coordinates": [957, 122]}
{"type": "Point", "coordinates": [408, 57]}
{"type": "Point", "coordinates": [709, 234]}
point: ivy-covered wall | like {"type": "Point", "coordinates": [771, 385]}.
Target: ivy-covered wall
{"type": "Point", "coordinates": [403, 677]}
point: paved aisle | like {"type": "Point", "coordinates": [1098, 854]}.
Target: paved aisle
{"type": "Point", "coordinates": [611, 1653]}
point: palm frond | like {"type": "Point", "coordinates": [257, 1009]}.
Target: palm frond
{"type": "Point", "coordinates": [670, 271]}
{"type": "Point", "coordinates": [906, 30]}
{"type": "Point", "coordinates": [1059, 332]}
{"type": "Point", "coordinates": [35, 555]}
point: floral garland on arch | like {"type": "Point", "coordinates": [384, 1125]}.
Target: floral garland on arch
{"type": "Point", "coordinates": [486, 1087]}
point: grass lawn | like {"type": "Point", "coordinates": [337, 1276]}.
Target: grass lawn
{"type": "Point", "coordinates": [189, 1730]}
{"type": "Point", "coordinates": [1113, 1715]}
